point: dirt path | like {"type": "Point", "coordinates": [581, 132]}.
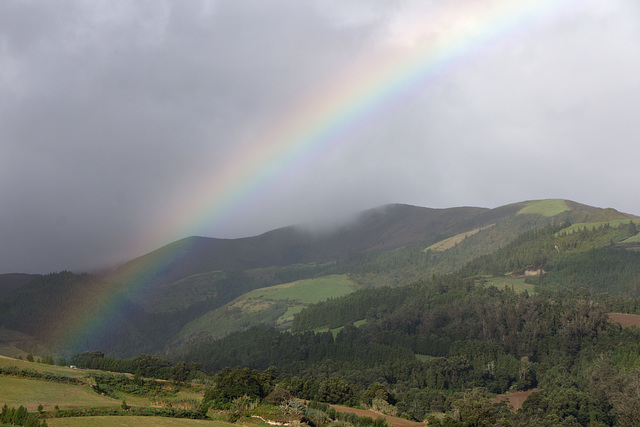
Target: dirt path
{"type": "Point", "coordinates": [515, 399]}
{"type": "Point", "coordinates": [625, 319]}
{"type": "Point", "coordinates": [395, 421]}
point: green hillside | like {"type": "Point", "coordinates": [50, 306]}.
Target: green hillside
{"type": "Point", "coordinates": [547, 208]}
{"type": "Point", "coordinates": [515, 298]}
{"type": "Point", "coordinates": [180, 292]}
{"type": "Point", "coordinates": [271, 306]}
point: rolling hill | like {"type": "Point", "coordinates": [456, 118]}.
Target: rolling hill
{"type": "Point", "coordinates": [194, 287]}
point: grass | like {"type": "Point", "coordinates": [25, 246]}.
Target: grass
{"type": "Point", "coordinates": [335, 331]}
{"type": "Point", "coordinates": [308, 291]}
{"type": "Point", "coordinates": [132, 422]}
{"type": "Point", "coordinates": [16, 391]}
{"type": "Point", "coordinates": [547, 208]}
{"type": "Point", "coordinates": [634, 239]}
{"type": "Point", "coordinates": [274, 305]}
{"type": "Point", "coordinates": [29, 393]}
{"type": "Point", "coordinates": [41, 367]}
{"type": "Point", "coordinates": [425, 357]}
{"type": "Point", "coordinates": [590, 225]}
{"type": "Point", "coordinates": [445, 244]}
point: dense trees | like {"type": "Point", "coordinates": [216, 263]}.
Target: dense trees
{"type": "Point", "coordinates": [469, 337]}
{"type": "Point", "coordinates": [142, 366]}
{"type": "Point", "coordinates": [449, 343]}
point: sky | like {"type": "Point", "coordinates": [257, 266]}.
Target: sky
{"type": "Point", "coordinates": [126, 125]}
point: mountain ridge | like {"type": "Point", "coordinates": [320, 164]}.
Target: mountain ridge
{"type": "Point", "coordinates": [178, 283]}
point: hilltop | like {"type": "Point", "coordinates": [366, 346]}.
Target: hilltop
{"type": "Point", "coordinates": [178, 293]}
{"type": "Point", "coordinates": [421, 313]}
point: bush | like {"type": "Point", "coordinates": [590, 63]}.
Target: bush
{"type": "Point", "coordinates": [277, 396]}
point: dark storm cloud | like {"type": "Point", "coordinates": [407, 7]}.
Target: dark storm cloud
{"type": "Point", "coordinates": [109, 109]}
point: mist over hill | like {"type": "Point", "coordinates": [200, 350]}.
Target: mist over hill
{"type": "Point", "coordinates": [168, 298]}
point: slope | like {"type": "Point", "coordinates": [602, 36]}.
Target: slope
{"type": "Point", "coordinates": [274, 305]}
{"type": "Point", "coordinates": [161, 292]}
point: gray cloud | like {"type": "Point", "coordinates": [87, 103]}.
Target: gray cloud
{"type": "Point", "coordinates": [110, 110]}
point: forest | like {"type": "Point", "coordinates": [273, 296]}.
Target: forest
{"type": "Point", "coordinates": [440, 348]}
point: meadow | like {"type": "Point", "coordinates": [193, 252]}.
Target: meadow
{"type": "Point", "coordinates": [546, 208]}
{"type": "Point", "coordinates": [308, 291]}
{"type": "Point", "coordinates": [449, 243]}
{"type": "Point", "coordinates": [30, 393]}
{"type": "Point", "coordinates": [274, 304]}
{"type": "Point", "coordinates": [591, 225]}
{"type": "Point", "coordinates": [41, 367]}
{"type": "Point", "coordinates": [517, 284]}
{"type": "Point", "coordinates": [133, 421]}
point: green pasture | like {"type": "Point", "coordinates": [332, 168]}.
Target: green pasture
{"type": "Point", "coordinates": [133, 421]}
{"type": "Point", "coordinates": [30, 393]}
{"type": "Point", "coordinates": [308, 291]}
{"type": "Point", "coordinates": [274, 304]}
{"type": "Point", "coordinates": [425, 357]}
{"type": "Point", "coordinates": [298, 294]}
{"type": "Point", "coordinates": [445, 244]}
{"type": "Point", "coordinates": [335, 331]}
{"type": "Point", "coordinates": [16, 391]}
{"type": "Point", "coordinates": [591, 225]}
{"type": "Point", "coordinates": [288, 315]}
{"type": "Point", "coordinates": [41, 367]}
{"type": "Point", "coordinates": [548, 208]}
{"type": "Point", "coordinates": [634, 239]}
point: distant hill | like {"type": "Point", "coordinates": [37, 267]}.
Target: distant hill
{"type": "Point", "coordinates": [177, 291]}
{"type": "Point", "coordinates": [379, 229]}
{"type": "Point", "coordinates": [10, 282]}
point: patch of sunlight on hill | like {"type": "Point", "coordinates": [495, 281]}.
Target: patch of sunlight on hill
{"type": "Point", "coordinates": [30, 393]}
{"type": "Point", "coordinates": [133, 421]}
{"type": "Point", "coordinates": [591, 225]}
{"type": "Point", "coordinates": [273, 305]}
{"type": "Point", "coordinates": [548, 208]}
{"type": "Point", "coordinates": [309, 291]}
{"type": "Point", "coordinates": [445, 244]}
{"type": "Point", "coordinates": [516, 284]}
{"type": "Point", "coordinates": [633, 239]}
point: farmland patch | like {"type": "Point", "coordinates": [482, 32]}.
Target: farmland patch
{"type": "Point", "coordinates": [547, 208]}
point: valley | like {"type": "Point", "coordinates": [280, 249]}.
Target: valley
{"type": "Point", "coordinates": [429, 313]}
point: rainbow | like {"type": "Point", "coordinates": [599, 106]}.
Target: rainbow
{"type": "Point", "coordinates": [365, 91]}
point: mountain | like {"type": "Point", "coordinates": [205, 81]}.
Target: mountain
{"type": "Point", "coordinates": [10, 282]}
{"type": "Point", "coordinates": [173, 295]}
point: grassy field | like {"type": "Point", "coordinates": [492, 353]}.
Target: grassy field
{"type": "Point", "coordinates": [30, 393]}
{"type": "Point", "coordinates": [132, 422]}
{"type": "Point", "coordinates": [634, 239]}
{"type": "Point", "coordinates": [16, 391]}
{"type": "Point", "coordinates": [445, 244]}
{"type": "Point", "coordinates": [274, 304]}
{"type": "Point", "coordinates": [425, 357]}
{"type": "Point", "coordinates": [590, 225]}
{"type": "Point", "coordinates": [308, 291]}
{"type": "Point", "coordinates": [548, 208]}
{"type": "Point", "coordinates": [41, 367]}
{"type": "Point", "coordinates": [335, 331]}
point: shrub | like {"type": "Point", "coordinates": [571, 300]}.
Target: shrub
{"type": "Point", "coordinates": [277, 396]}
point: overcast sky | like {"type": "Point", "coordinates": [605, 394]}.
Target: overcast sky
{"type": "Point", "coordinates": [115, 114]}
